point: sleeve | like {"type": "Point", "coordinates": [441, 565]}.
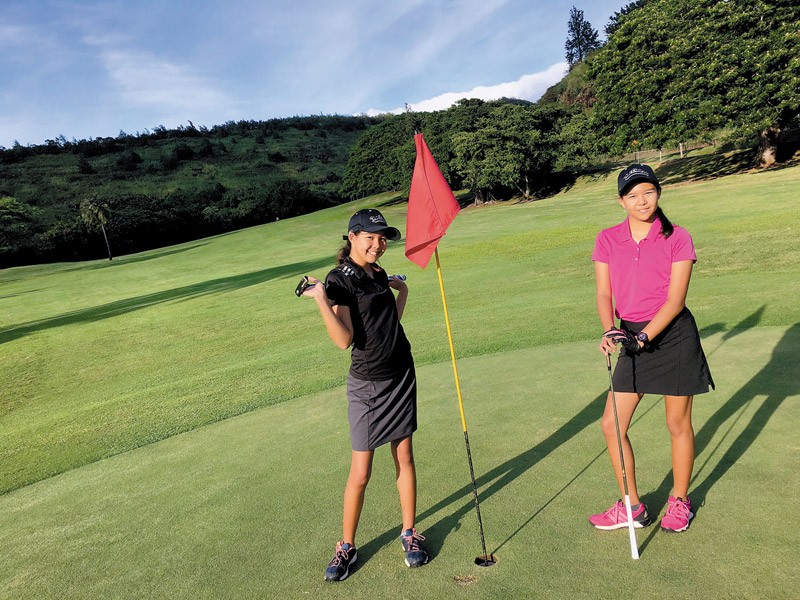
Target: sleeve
{"type": "Point", "coordinates": [601, 253]}
{"type": "Point", "coordinates": [337, 289]}
{"type": "Point", "coordinates": [682, 246]}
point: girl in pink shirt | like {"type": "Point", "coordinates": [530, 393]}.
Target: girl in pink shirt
{"type": "Point", "coordinates": [642, 271]}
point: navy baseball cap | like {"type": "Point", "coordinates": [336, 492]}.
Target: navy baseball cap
{"type": "Point", "coordinates": [371, 220]}
{"type": "Point", "coordinates": [636, 174]}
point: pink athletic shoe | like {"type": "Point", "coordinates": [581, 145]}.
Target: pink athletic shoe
{"type": "Point", "coordinates": [679, 513]}
{"type": "Point", "coordinates": [616, 517]}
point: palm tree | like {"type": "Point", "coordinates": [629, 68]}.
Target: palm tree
{"type": "Point", "coordinates": [94, 212]}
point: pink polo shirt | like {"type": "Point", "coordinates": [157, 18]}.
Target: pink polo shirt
{"type": "Point", "coordinates": [640, 272]}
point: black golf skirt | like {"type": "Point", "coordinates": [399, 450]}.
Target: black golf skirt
{"type": "Point", "coordinates": [381, 411]}
{"type": "Point", "coordinates": [673, 364]}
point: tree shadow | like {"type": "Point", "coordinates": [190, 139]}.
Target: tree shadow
{"type": "Point", "coordinates": [100, 263]}
{"type": "Point", "coordinates": [777, 380]}
{"type": "Point", "coordinates": [21, 293]}
{"type": "Point", "coordinates": [127, 305]}
{"type": "Point", "coordinates": [696, 168]}
{"type": "Point", "coordinates": [134, 258]}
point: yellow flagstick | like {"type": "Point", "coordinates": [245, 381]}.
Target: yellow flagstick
{"type": "Point", "coordinates": [485, 560]}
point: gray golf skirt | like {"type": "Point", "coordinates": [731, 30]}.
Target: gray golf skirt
{"type": "Point", "coordinates": [381, 411]}
{"type": "Point", "coordinates": [673, 364]}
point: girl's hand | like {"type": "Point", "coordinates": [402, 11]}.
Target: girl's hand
{"type": "Point", "coordinates": [397, 284]}
{"type": "Point", "coordinates": [316, 290]}
{"type": "Point", "coordinates": [608, 343]}
{"type": "Point", "coordinates": [623, 338]}
{"type": "Point", "coordinates": [607, 346]}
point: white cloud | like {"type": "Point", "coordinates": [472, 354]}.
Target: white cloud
{"type": "Point", "coordinates": [146, 81]}
{"type": "Point", "coordinates": [528, 87]}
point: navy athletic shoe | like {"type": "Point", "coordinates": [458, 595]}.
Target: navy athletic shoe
{"type": "Point", "coordinates": [415, 555]}
{"type": "Point", "coordinates": [339, 567]}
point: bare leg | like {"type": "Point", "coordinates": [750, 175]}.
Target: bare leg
{"type": "Point", "coordinates": [626, 405]}
{"type": "Point", "coordinates": [360, 472]}
{"type": "Point", "coordinates": [403, 454]}
{"type": "Point", "coordinates": [679, 423]}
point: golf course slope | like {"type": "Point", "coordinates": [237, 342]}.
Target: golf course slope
{"type": "Point", "coordinates": [173, 423]}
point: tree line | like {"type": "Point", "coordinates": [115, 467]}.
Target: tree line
{"type": "Point", "coordinates": [669, 72]}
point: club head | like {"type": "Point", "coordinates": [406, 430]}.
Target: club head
{"type": "Point", "coordinates": [302, 286]}
{"type": "Point", "coordinates": [486, 560]}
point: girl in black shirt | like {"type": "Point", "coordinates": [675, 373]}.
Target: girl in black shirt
{"type": "Point", "coordinates": [360, 310]}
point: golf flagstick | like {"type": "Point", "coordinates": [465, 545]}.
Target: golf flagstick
{"type": "Point", "coordinates": [432, 206]}
{"type": "Point", "coordinates": [628, 512]}
{"type": "Point", "coordinates": [485, 559]}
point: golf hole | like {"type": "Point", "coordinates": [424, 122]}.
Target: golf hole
{"type": "Point", "coordinates": [486, 560]}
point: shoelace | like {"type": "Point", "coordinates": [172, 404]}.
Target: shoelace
{"type": "Point", "coordinates": [413, 541]}
{"type": "Point", "coordinates": [617, 512]}
{"type": "Point", "coordinates": [340, 556]}
{"type": "Point", "coordinates": [678, 507]}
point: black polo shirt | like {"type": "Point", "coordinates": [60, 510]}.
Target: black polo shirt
{"type": "Point", "coordinates": [380, 347]}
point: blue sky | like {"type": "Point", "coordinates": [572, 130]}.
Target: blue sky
{"type": "Point", "coordinates": [87, 69]}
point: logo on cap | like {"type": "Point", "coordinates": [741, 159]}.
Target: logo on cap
{"type": "Point", "coordinates": [635, 171]}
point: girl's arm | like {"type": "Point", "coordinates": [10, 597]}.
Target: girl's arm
{"type": "Point", "coordinates": [402, 295]}
{"type": "Point", "coordinates": [605, 308]}
{"type": "Point", "coordinates": [676, 298]}
{"type": "Point", "coordinates": [337, 318]}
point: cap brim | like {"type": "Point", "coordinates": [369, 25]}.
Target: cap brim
{"type": "Point", "coordinates": [629, 184]}
{"type": "Point", "coordinates": [391, 233]}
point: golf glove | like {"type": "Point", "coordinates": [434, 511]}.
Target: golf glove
{"type": "Point", "coordinates": [623, 338]}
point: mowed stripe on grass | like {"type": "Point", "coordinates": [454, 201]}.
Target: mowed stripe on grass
{"type": "Point", "coordinates": [250, 507]}
{"type": "Point", "coordinates": [99, 358]}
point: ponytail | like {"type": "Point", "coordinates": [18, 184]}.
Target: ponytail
{"type": "Point", "coordinates": [666, 225]}
{"type": "Point", "coordinates": [344, 251]}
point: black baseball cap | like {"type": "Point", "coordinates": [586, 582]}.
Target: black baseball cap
{"type": "Point", "coordinates": [369, 219]}
{"type": "Point", "coordinates": [636, 174]}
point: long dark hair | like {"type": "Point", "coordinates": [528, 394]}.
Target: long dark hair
{"type": "Point", "coordinates": [666, 225]}
{"type": "Point", "coordinates": [344, 251]}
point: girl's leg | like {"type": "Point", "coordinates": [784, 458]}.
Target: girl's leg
{"type": "Point", "coordinates": [360, 472]}
{"type": "Point", "coordinates": [679, 423]}
{"type": "Point", "coordinates": [626, 405]}
{"type": "Point", "coordinates": [403, 454]}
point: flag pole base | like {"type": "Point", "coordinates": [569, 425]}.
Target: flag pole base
{"type": "Point", "coordinates": [486, 560]}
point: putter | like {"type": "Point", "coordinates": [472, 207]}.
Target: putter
{"type": "Point", "coordinates": [629, 513]}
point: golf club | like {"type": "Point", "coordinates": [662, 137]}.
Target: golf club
{"type": "Point", "coordinates": [629, 513]}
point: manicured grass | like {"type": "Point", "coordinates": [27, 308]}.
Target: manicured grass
{"type": "Point", "coordinates": [98, 359]}
{"type": "Point", "coordinates": [251, 507]}
{"type": "Point", "coordinates": [101, 357]}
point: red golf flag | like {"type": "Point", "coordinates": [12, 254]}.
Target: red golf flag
{"type": "Point", "coordinates": [431, 206]}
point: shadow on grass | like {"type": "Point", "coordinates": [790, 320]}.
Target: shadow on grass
{"type": "Point", "coordinates": [696, 168]}
{"type": "Point", "coordinates": [20, 293]}
{"type": "Point", "coordinates": [779, 379]}
{"type": "Point", "coordinates": [131, 259]}
{"type": "Point", "coordinates": [203, 288]}
{"type": "Point", "coordinates": [493, 482]}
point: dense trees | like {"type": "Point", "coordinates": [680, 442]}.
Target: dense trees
{"type": "Point", "coordinates": [166, 186]}
{"type": "Point", "coordinates": [674, 70]}
{"type": "Point", "coordinates": [492, 148]}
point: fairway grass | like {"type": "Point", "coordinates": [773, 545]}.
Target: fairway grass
{"type": "Point", "coordinates": [172, 423]}
{"type": "Point", "coordinates": [251, 507]}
